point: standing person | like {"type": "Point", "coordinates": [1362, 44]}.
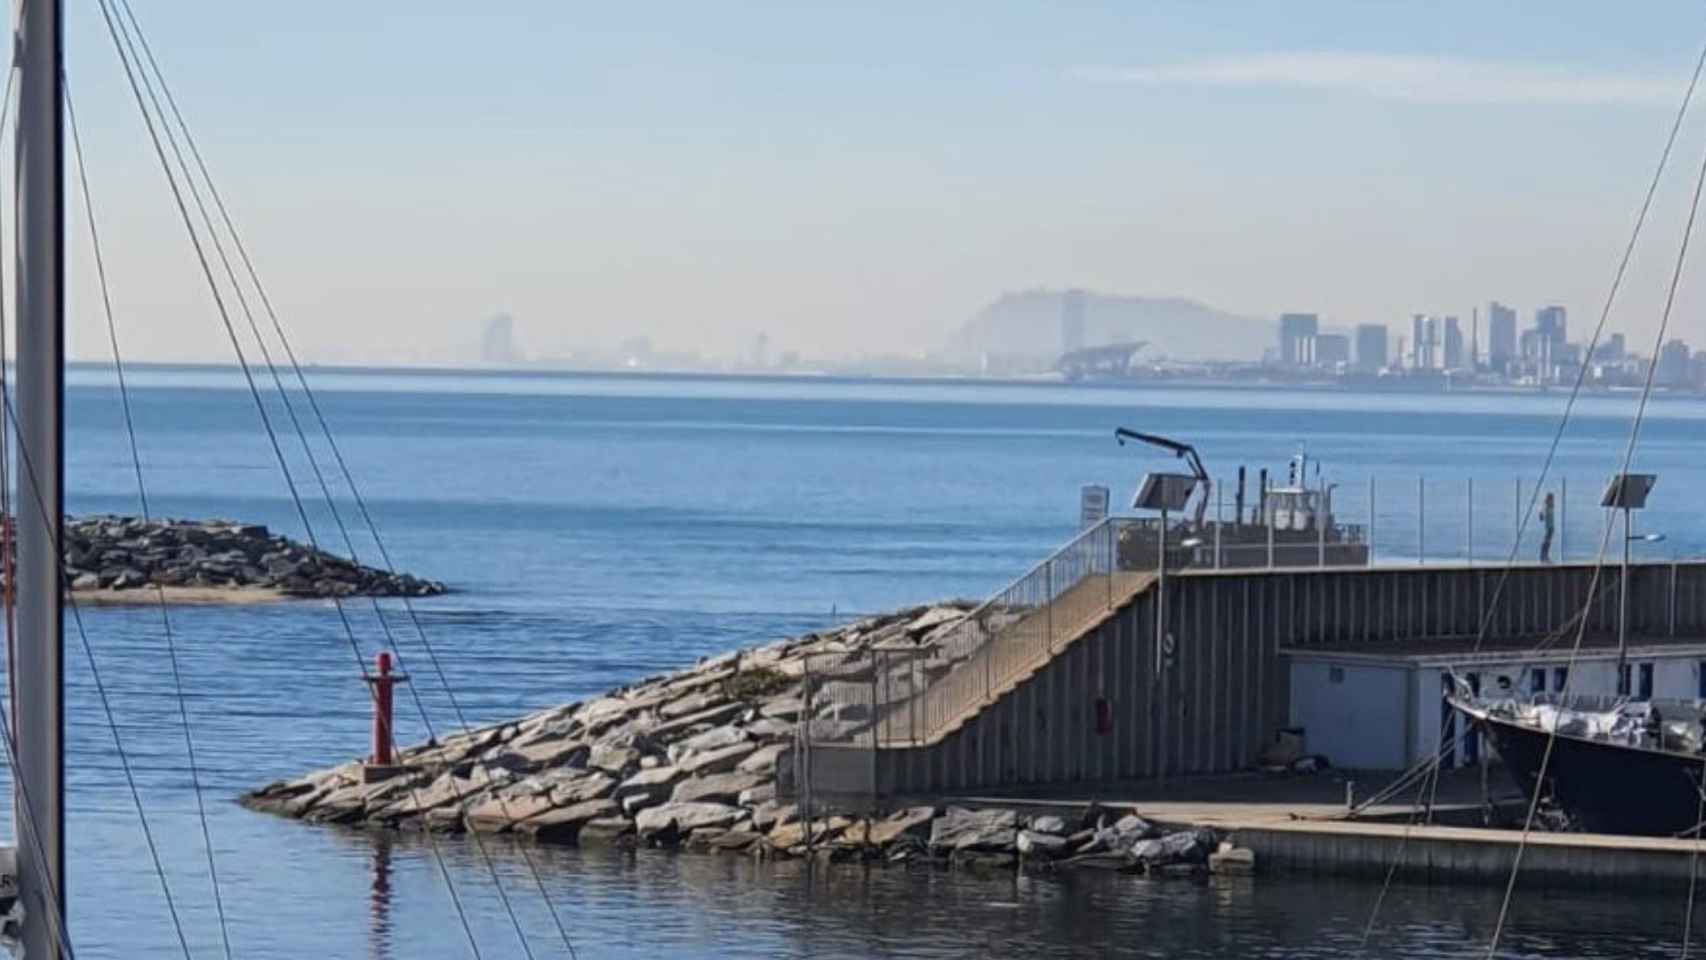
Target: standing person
{"type": "Point", "coordinates": [1548, 522]}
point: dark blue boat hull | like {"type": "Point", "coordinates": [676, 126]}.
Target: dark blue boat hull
{"type": "Point", "coordinates": [1604, 787]}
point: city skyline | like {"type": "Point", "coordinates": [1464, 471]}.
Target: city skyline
{"type": "Point", "coordinates": [864, 180]}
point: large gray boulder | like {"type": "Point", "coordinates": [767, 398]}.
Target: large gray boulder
{"type": "Point", "coordinates": [717, 788]}
{"type": "Point", "coordinates": [721, 760]}
{"type": "Point", "coordinates": [678, 818]}
{"type": "Point", "coordinates": [959, 829]}
{"type": "Point", "coordinates": [1185, 846]}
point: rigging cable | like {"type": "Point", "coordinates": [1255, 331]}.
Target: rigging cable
{"type": "Point", "coordinates": [142, 496]}
{"type": "Point", "coordinates": [219, 248]}
{"type": "Point", "coordinates": [1694, 862]}
{"type": "Point", "coordinates": [28, 466]}
{"type": "Point", "coordinates": [1575, 392]}
{"type": "Point", "coordinates": [325, 428]}
{"type": "Point", "coordinates": [1605, 538]}
{"type": "Point", "coordinates": [254, 391]}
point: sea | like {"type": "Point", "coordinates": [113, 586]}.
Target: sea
{"type": "Point", "coordinates": [596, 529]}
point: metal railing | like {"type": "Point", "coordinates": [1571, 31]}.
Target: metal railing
{"type": "Point", "coordinates": [898, 695]}
{"type": "Point", "coordinates": [906, 694]}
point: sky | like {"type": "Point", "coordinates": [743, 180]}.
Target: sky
{"type": "Point", "coordinates": [862, 178]}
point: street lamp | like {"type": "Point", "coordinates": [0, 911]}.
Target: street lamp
{"type": "Point", "coordinates": [1627, 492]}
{"type": "Point", "coordinates": [1164, 493]}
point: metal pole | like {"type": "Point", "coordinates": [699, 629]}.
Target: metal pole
{"type": "Point", "coordinates": [1219, 521]}
{"type": "Point", "coordinates": [1517, 517]}
{"type": "Point", "coordinates": [1673, 595]}
{"type": "Point", "coordinates": [1268, 524]}
{"type": "Point", "coordinates": [1321, 525]}
{"type": "Point", "coordinates": [39, 710]}
{"type": "Point", "coordinates": [1563, 519]}
{"type": "Point", "coordinates": [1048, 602]}
{"type": "Point", "coordinates": [1421, 520]}
{"type": "Point", "coordinates": [1623, 610]}
{"type": "Point", "coordinates": [1108, 535]}
{"type": "Point", "coordinates": [1469, 523]}
{"type": "Point", "coordinates": [1371, 519]}
{"type": "Point", "coordinates": [1161, 654]}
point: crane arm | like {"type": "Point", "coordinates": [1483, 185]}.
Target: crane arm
{"type": "Point", "coordinates": [1183, 451]}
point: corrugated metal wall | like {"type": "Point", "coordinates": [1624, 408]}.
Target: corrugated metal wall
{"type": "Point", "coordinates": [1089, 714]}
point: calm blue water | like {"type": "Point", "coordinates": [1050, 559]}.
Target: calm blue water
{"type": "Point", "coordinates": [600, 528]}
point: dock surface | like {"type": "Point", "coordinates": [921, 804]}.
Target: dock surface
{"type": "Point", "coordinates": [1296, 824]}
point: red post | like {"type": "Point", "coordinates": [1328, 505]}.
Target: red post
{"type": "Point", "coordinates": [382, 682]}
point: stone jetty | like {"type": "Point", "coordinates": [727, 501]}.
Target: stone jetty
{"type": "Point", "coordinates": [111, 554]}
{"type": "Point", "coordinates": [691, 760]}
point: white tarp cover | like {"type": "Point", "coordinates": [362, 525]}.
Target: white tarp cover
{"type": "Point", "coordinates": [1628, 722]}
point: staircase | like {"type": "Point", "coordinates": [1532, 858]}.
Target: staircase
{"type": "Point", "coordinates": [907, 695]}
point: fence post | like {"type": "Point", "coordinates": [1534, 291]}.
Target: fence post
{"type": "Point", "coordinates": [1673, 596]}
{"type": "Point", "coordinates": [1370, 520]}
{"type": "Point", "coordinates": [1469, 523]}
{"type": "Point", "coordinates": [1563, 519]}
{"type": "Point", "coordinates": [1219, 518]}
{"type": "Point", "coordinates": [1268, 522]}
{"type": "Point", "coordinates": [1048, 600]}
{"type": "Point", "coordinates": [989, 661]}
{"type": "Point", "coordinates": [1108, 535]}
{"type": "Point", "coordinates": [1321, 527]}
{"type": "Point", "coordinates": [913, 694]}
{"type": "Point", "coordinates": [1517, 519]}
{"type": "Point", "coordinates": [1421, 520]}
{"type": "Point", "coordinates": [876, 728]}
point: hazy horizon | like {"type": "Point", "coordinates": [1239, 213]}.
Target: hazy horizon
{"type": "Point", "coordinates": [865, 181]}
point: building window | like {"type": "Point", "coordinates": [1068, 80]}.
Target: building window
{"type": "Point", "coordinates": [1560, 679]}
{"type": "Point", "coordinates": [1623, 680]}
{"type": "Point", "coordinates": [1646, 676]}
{"type": "Point", "coordinates": [1700, 679]}
{"type": "Point", "coordinates": [1537, 680]}
{"type": "Point", "coordinates": [1335, 674]}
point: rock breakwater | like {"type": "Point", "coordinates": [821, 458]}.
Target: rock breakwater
{"type": "Point", "coordinates": [112, 553]}
{"type": "Point", "coordinates": [691, 760]}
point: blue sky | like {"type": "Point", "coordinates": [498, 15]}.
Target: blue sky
{"type": "Point", "coordinates": [867, 176]}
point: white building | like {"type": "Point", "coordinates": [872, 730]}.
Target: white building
{"type": "Point", "coordinates": [1368, 708]}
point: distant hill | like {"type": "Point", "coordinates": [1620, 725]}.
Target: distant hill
{"type": "Point", "coordinates": [1028, 324]}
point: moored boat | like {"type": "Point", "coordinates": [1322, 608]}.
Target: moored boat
{"type": "Point", "coordinates": [1617, 766]}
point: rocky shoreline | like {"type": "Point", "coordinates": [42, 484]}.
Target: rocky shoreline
{"type": "Point", "coordinates": [108, 555]}
{"type": "Point", "coordinates": [691, 760]}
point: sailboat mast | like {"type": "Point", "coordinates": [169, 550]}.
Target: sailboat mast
{"type": "Point", "coordinates": [39, 710]}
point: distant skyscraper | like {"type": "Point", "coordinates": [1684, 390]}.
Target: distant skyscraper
{"type": "Point", "coordinates": [497, 343]}
{"type": "Point", "coordinates": [1452, 344]}
{"type": "Point", "coordinates": [1673, 365]}
{"type": "Point", "coordinates": [1550, 338]}
{"type": "Point", "coordinates": [1072, 321]}
{"type": "Point", "coordinates": [1551, 321]}
{"type": "Point", "coordinates": [1501, 336]}
{"type": "Point", "coordinates": [1371, 347]}
{"type": "Point", "coordinates": [1425, 342]}
{"type": "Point", "coordinates": [1297, 332]}
{"type": "Point", "coordinates": [1332, 350]}
{"type": "Point", "coordinates": [1613, 350]}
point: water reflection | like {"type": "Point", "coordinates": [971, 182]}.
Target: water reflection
{"type": "Point", "coordinates": [647, 904]}
{"type": "Point", "coordinates": [379, 901]}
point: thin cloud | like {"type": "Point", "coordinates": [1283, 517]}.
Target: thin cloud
{"type": "Point", "coordinates": [1418, 79]}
